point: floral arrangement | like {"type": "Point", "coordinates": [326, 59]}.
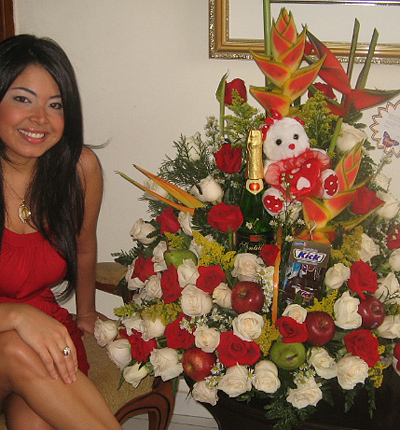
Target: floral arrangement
{"type": "Point", "coordinates": [209, 308]}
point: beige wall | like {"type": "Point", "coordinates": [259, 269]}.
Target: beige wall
{"type": "Point", "coordinates": [145, 78]}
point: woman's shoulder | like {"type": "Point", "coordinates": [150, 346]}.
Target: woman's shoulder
{"type": "Point", "coordinates": [89, 164]}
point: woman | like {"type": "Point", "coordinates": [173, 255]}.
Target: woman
{"type": "Point", "coordinates": [50, 195]}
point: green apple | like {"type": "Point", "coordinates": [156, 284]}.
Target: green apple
{"type": "Point", "coordinates": [177, 256]}
{"type": "Point", "coordinates": [288, 356]}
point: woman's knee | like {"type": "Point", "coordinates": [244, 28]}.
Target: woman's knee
{"type": "Point", "coordinates": [14, 352]}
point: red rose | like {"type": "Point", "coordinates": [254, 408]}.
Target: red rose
{"type": "Point", "coordinates": [393, 238]}
{"type": "Point", "coordinates": [269, 253]}
{"type": "Point", "coordinates": [238, 85]}
{"type": "Point", "coordinates": [291, 330]}
{"type": "Point", "coordinates": [140, 349]}
{"type": "Point", "coordinates": [229, 159]}
{"type": "Point", "coordinates": [232, 350]}
{"type": "Point", "coordinates": [364, 201]}
{"type": "Point", "coordinates": [223, 217]}
{"type": "Point", "coordinates": [144, 268]}
{"type": "Point", "coordinates": [168, 220]}
{"type": "Point", "coordinates": [210, 277]}
{"type": "Point", "coordinates": [170, 285]}
{"type": "Point", "coordinates": [363, 344]}
{"type": "Point", "coordinates": [178, 337]}
{"type": "Point", "coordinates": [396, 354]}
{"type": "Point", "coordinates": [362, 278]}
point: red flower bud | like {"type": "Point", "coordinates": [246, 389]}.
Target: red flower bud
{"type": "Point", "coordinates": [238, 85]}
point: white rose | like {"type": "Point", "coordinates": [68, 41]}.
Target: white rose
{"type": "Point", "coordinates": [246, 266]}
{"type": "Point", "coordinates": [390, 328]}
{"type": "Point", "coordinates": [394, 365]}
{"type": "Point", "coordinates": [248, 326]}
{"type": "Point", "coordinates": [222, 295]}
{"type": "Point", "coordinates": [133, 323]}
{"type": "Point", "coordinates": [134, 374]}
{"type": "Point", "coordinates": [203, 393]}
{"type": "Point", "coordinates": [349, 136]}
{"type": "Point", "coordinates": [207, 338]}
{"type": "Point", "coordinates": [141, 230]}
{"type": "Point", "coordinates": [291, 213]}
{"type": "Point", "coordinates": [152, 329]}
{"type": "Point", "coordinates": [336, 275]}
{"type": "Point", "coordinates": [166, 363]}
{"type": "Point", "coordinates": [188, 273]}
{"type": "Point", "coordinates": [324, 364]}
{"type": "Point", "coordinates": [236, 381]}
{"type": "Point", "coordinates": [382, 181]}
{"type": "Point", "coordinates": [388, 289]}
{"type": "Point", "coordinates": [192, 144]}
{"type": "Point", "coordinates": [210, 190]}
{"type": "Point", "coordinates": [351, 371]}
{"type": "Point", "coordinates": [346, 315]}
{"type": "Point", "coordinates": [297, 312]}
{"type": "Point", "coordinates": [119, 352]}
{"type": "Point", "coordinates": [158, 257]}
{"type": "Point", "coordinates": [133, 283]}
{"type": "Point", "coordinates": [394, 260]}
{"type": "Point", "coordinates": [105, 331]}
{"type": "Point", "coordinates": [153, 287]}
{"type": "Point", "coordinates": [153, 186]}
{"type": "Point", "coordinates": [195, 302]}
{"type": "Point", "coordinates": [307, 393]}
{"type": "Point", "coordinates": [265, 377]}
{"type": "Point", "coordinates": [368, 249]}
{"type": "Point", "coordinates": [391, 207]}
{"type": "Point", "coordinates": [185, 220]}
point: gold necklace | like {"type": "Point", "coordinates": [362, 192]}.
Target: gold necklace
{"type": "Point", "coordinates": [24, 211]}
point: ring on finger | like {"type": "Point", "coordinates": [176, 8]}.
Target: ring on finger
{"type": "Point", "coordinates": [66, 351]}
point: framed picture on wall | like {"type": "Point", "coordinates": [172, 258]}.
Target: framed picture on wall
{"type": "Point", "coordinates": [236, 26]}
{"type": "Point", "coordinates": [6, 19]}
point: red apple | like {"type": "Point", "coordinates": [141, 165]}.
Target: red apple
{"type": "Point", "coordinates": [320, 328]}
{"type": "Point", "coordinates": [372, 312]}
{"type": "Point", "coordinates": [247, 296]}
{"type": "Point", "coordinates": [197, 364]}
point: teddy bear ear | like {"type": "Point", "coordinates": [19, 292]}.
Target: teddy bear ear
{"type": "Point", "coordinates": [299, 120]}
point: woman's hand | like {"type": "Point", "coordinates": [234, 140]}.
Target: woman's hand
{"type": "Point", "coordinates": [48, 338]}
{"type": "Point", "coordinates": [86, 321]}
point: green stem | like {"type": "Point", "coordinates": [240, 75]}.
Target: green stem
{"type": "Point", "coordinates": [222, 108]}
{"type": "Point", "coordinates": [362, 79]}
{"type": "Point", "coordinates": [230, 239]}
{"type": "Point", "coordinates": [331, 149]}
{"type": "Point", "coordinates": [353, 48]}
{"type": "Point", "coordinates": [267, 27]}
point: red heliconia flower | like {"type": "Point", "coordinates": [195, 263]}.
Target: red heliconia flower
{"type": "Point", "coordinates": [333, 74]}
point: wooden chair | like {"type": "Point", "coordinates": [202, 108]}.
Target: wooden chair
{"type": "Point", "coordinates": [152, 397]}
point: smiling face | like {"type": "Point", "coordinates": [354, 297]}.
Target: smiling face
{"type": "Point", "coordinates": [31, 115]}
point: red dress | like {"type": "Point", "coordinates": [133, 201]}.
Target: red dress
{"type": "Point", "coordinates": [29, 265]}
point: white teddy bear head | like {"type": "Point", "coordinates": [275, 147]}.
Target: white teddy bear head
{"type": "Point", "coordinates": [285, 138]}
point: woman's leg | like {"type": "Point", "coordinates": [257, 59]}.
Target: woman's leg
{"type": "Point", "coordinates": [62, 406]}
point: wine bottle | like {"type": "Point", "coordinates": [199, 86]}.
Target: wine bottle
{"type": "Point", "coordinates": [256, 230]}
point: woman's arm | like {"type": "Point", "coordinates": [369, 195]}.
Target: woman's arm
{"type": "Point", "coordinates": [46, 336]}
{"type": "Point", "coordinates": [90, 172]}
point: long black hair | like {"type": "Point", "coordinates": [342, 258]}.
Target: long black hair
{"type": "Point", "coordinates": [56, 194]}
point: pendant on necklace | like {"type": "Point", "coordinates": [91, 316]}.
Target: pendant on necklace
{"type": "Point", "coordinates": [24, 212]}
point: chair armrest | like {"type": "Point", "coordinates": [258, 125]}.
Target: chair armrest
{"type": "Point", "coordinates": [108, 276]}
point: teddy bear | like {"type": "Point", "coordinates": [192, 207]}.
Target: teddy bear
{"type": "Point", "coordinates": [293, 170]}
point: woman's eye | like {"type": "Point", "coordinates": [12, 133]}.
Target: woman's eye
{"type": "Point", "coordinates": [21, 99]}
{"type": "Point", "coordinates": [56, 105]}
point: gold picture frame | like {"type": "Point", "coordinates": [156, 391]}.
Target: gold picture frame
{"type": "Point", "coordinates": [222, 46]}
